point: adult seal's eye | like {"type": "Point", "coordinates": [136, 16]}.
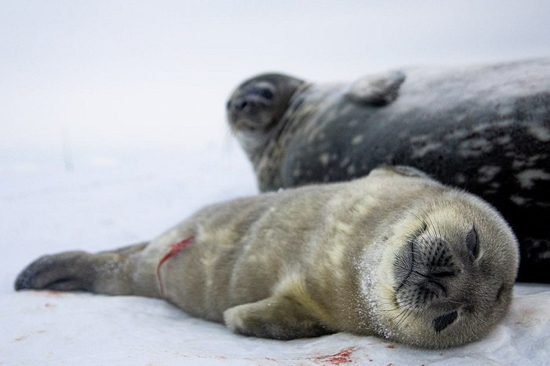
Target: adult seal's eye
{"type": "Point", "coordinates": [266, 93]}
{"type": "Point", "coordinates": [472, 242]}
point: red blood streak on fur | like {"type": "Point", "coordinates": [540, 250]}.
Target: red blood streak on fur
{"type": "Point", "coordinates": [174, 249]}
{"type": "Point", "coordinates": [344, 356]}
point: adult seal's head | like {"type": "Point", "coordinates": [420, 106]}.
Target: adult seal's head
{"type": "Point", "coordinates": [257, 106]}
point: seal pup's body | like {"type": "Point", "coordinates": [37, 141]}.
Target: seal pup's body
{"type": "Point", "coordinates": [485, 129]}
{"type": "Point", "coordinates": [395, 254]}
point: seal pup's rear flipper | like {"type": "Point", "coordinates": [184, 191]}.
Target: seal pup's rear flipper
{"type": "Point", "coordinates": [110, 272]}
{"type": "Point", "coordinates": [376, 90]}
{"type": "Point", "coordinates": [68, 271]}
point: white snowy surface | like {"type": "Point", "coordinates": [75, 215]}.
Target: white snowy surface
{"type": "Point", "coordinates": [117, 198]}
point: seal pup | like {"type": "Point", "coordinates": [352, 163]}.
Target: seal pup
{"type": "Point", "coordinates": [395, 254]}
{"type": "Point", "coordinates": [485, 129]}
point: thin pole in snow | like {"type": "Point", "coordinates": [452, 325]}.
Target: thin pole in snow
{"type": "Point", "coordinates": [67, 150]}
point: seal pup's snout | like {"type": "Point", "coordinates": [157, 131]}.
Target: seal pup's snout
{"type": "Point", "coordinates": [423, 271]}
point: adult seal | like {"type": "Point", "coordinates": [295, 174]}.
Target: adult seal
{"type": "Point", "coordinates": [395, 254]}
{"type": "Point", "coordinates": [485, 129]}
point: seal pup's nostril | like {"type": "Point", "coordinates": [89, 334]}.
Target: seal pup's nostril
{"type": "Point", "coordinates": [442, 274]}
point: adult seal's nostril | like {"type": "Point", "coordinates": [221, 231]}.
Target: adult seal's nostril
{"type": "Point", "coordinates": [240, 106]}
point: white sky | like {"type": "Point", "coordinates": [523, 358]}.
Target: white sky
{"type": "Point", "coordinates": [128, 73]}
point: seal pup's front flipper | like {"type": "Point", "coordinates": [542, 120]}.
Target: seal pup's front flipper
{"type": "Point", "coordinates": [289, 313]}
{"type": "Point", "coordinates": [276, 317]}
{"type": "Point", "coordinates": [376, 90]}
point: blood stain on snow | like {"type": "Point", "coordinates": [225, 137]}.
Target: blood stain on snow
{"type": "Point", "coordinates": [530, 317]}
{"type": "Point", "coordinates": [51, 293]}
{"type": "Point", "coordinates": [26, 336]}
{"type": "Point", "coordinates": [390, 346]}
{"type": "Point", "coordinates": [343, 356]}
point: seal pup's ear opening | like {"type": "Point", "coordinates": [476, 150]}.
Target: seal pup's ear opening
{"type": "Point", "coordinates": [472, 242]}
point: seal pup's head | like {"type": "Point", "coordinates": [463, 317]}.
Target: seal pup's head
{"type": "Point", "coordinates": [257, 105]}
{"type": "Point", "coordinates": [448, 270]}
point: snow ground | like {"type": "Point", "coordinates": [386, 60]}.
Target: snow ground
{"type": "Point", "coordinates": [113, 198]}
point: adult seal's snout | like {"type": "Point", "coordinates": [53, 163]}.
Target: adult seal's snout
{"type": "Point", "coordinates": [261, 101]}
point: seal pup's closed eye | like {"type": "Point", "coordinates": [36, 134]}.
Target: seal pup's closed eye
{"type": "Point", "coordinates": [395, 254]}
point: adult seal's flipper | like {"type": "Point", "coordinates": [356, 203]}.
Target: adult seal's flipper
{"type": "Point", "coordinates": [376, 90]}
{"type": "Point", "coordinates": [406, 171]}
